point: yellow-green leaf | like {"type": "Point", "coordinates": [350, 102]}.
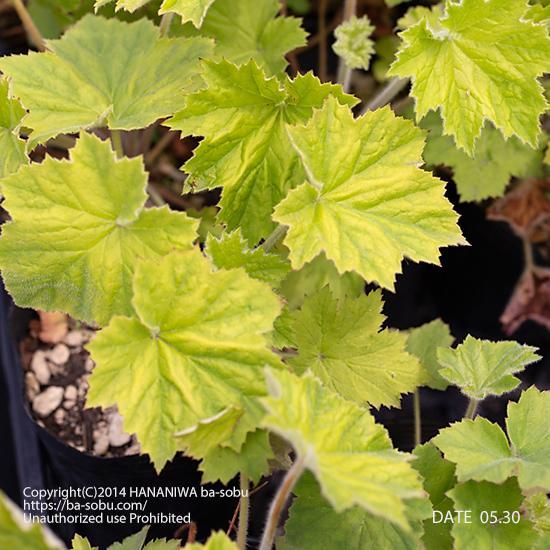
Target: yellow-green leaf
{"type": "Point", "coordinates": [13, 148]}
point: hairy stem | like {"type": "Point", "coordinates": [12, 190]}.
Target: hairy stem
{"type": "Point", "coordinates": [528, 255]}
{"type": "Point", "coordinates": [166, 23]}
{"type": "Point", "coordinates": [116, 140]}
{"type": "Point", "coordinates": [242, 532]}
{"type": "Point", "coordinates": [278, 504]}
{"type": "Point", "coordinates": [417, 419]}
{"type": "Point", "coordinates": [32, 30]}
{"type": "Point", "coordinates": [275, 238]}
{"type": "Point", "coordinates": [386, 94]}
{"type": "Point", "coordinates": [323, 46]}
{"type": "Point", "coordinates": [345, 73]}
{"type": "Point", "coordinates": [471, 411]}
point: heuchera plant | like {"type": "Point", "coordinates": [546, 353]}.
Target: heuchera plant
{"type": "Point", "coordinates": [261, 337]}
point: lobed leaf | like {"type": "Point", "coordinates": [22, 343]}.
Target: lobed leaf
{"type": "Point", "coordinates": [366, 204]}
{"type": "Point", "coordinates": [481, 61]}
{"type": "Point", "coordinates": [353, 44]}
{"type": "Point", "coordinates": [481, 368]}
{"type": "Point", "coordinates": [195, 346]}
{"type": "Point", "coordinates": [12, 147]}
{"type": "Point", "coordinates": [350, 455]}
{"type": "Point", "coordinates": [481, 450]}
{"type": "Point", "coordinates": [217, 541]}
{"type": "Point", "coordinates": [104, 72]}
{"type": "Point", "coordinates": [344, 346]}
{"type": "Point", "coordinates": [242, 115]}
{"type": "Point", "coordinates": [78, 228]}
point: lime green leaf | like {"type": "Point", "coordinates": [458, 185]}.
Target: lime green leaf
{"type": "Point", "coordinates": [217, 541]}
{"type": "Point", "coordinates": [537, 507]}
{"type": "Point", "coordinates": [231, 251]}
{"type": "Point", "coordinates": [343, 344]}
{"type": "Point", "coordinates": [488, 172]}
{"type": "Point", "coordinates": [243, 115]}
{"type": "Point", "coordinates": [350, 455]}
{"type": "Point", "coordinates": [539, 13]}
{"type": "Point", "coordinates": [313, 524]}
{"type": "Point", "coordinates": [17, 533]}
{"type": "Point", "coordinates": [481, 368]}
{"type": "Point", "coordinates": [353, 44]}
{"type": "Point", "coordinates": [190, 10]}
{"type": "Point", "coordinates": [417, 13]}
{"type": "Point", "coordinates": [104, 73]}
{"type": "Point", "coordinates": [316, 274]}
{"type": "Point", "coordinates": [81, 543]}
{"type": "Point", "coordinates": [439, 476]}
{"type": "Point", "coordinates": [195, 346]}
{"type": "Point", "coordinates": [480, 62]}
{"type": "Point", "coordinates": [224, 463]}
{"type": "Point", "coordinates": [423, 343]}
{"type": "Point", "coordinates": [128, 5]}
{"type": "Point", "coordinates": [366, 205]}
{"type": "Point", "coordinates": [78, 229]}
{"type": "Point", "coordinates": [481, 450]}
{"type": "Point", "coordinates": [12, 147]}
{"type": "Point", "coordinates": [249, 29]}
{"type": "Point", "coordinates": [481, 498]}
{"type": "Point", "coordinates": [133, 542]}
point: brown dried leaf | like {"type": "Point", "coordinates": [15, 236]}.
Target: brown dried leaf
{"type": "Point", "coordinates": [530, 301]}
{"type": "Point", "coordinates": [526, 209]}
{"type": "Point", "coordinates": [53, 326]}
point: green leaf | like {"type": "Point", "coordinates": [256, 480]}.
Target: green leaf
{"type": "Point", "coordinates": [313, 524]}
{"type": "Point", "coordinates": [217, 541]}
{"type": "Point", "coordinates": [137, 542]}
{"type": "Point", "coordinates": [537, 507]}
{"type": "Point", "coordinates": [417, 13]}
{"type": "Point", "coordinates": [81, 543]}
{"type": "Point", "coordinates": [12, 147]}
{"type": "Point", "coordinates": [366, 203]}
{"type": "Point", "coordinates": [439, 477]}
{"type": "Point", "coordinates": [480, 62]}
{"type": "Point", "coordinates": [252, 459]}
{"type": "Point", "coordinates": [249, 29]}
{"type": "Point", "coordinates": [488, 172]}
{"type": "Point", "coordinates": [350, 455]}
{"type": "Point", "coordinates": [231, 251]}
{"type": "Point", "coordinates": [194, 347]}
{"type": "Point", "coordinates": [316, 274]}
{"type": "Point", "coordinates": [104, 73]}
{"type": "Point", "coordinates": [353, 44]}
{"type": "Point", "coordinates": [423, 342]}
{"type": "Point", "coordinates": [190, 10]}
{"type": "Point", "coordinates": [78, 229]}
{"type": "Point", "coordinates": [128, 5]}
{"type": "Point", "coordinates": [481, 450]}
{"type": "Point", "coordinates": [343, 344]}
{"type": "Point", "coordinates": [243, 116]}
{"type": "Point", "coordinates": [17, 533]}
{"type": "Point", "coordinates": [481, 368]}
{"type": "Point", "coordinates": [484, 497]}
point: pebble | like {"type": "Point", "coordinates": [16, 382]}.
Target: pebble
{"type": "Point", "coordinates": [101, 442]}
{"type": "Point", "coordinates": [89, 366]}
{"type": "Point", "coordinates": [59, 416]}
{"type": "Point", "coordinates": [71, 393]}
{"type": "Point", "coordinates": [59, 354]}
{"type": "Point", "coordinates": [32, 385]}
{"type": "Point", "coordinates": [74, 339]}
{"type": "Point", "coordinates": [39, 365]}
{"type": "Point", "coordinates": [46, 402]}
{"type": "Point", "coordinates": [117, 436]}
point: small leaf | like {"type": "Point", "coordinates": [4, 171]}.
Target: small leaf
{"type": "Point", "coordinates": [481, 61]}
{"type": "Point", "coordinates": [249, 29]}
{"type": "Point", "coordinates": [350, 455]}
{"type": "Point", "coordinates": [489, 171]}
{"type": "Point", "coordinates": [82, 543]}
{"type": "Point", "coordinates": [190, 10]}
{"type": "Point", "coordinates": [243, 116]}
{"type": "Point", "coordinates": [343, 344]}
{"type": "Point", "coordinates": [78, 229]}
{"type": "Point", "coordinates": [231, 251]}
{"type": "Point", "coordinates": [481, 368]}
{"type": "Point", "coordinates": [481, 450]}
{"type": "Point", "coordinates": [104, 73]}
{"type": "Point", "coordinates": [313, 524]}
{"type": "Point", "coordinates": [12, 147]}
{"type": "Point", "coordinates": [17, 533]}
{"type": "Point", "coordinates": [423, 342]}
{"type": "Point", "coordinates": [481, 498]}
{"type": "Point", "coordinates": [366, 204]}
{"type": "Point", "coordinates": [194, 347]}
{"type": "Point", "coordinates": [217, 541]}
{"type": "Point", "coordinates": [353, 44]}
